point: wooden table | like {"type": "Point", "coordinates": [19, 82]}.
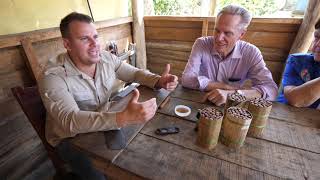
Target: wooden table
{"type": "Point", "coordinates": [289, 147]}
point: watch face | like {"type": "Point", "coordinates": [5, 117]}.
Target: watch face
{"type": "Point", "coordinates": [240, 92]}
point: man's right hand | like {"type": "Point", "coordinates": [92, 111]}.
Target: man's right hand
{"type": "Point", "coordinates": [136, 112]}
{"type": "Point", "coordinates": [219, 85]}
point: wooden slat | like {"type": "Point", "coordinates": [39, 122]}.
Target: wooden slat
{"type": "Point", "coordinates": [176, 64]}
{"type": "Point", "coordinates": [302, 116]}
{"type": "Point", "coordinates": [156, 159]}
{"type": "Point", "coordinates": [306, 138]}
{"type": "Point", "coordinates": [188, 94]}
{"type": "Point", "coordinates": [51, 33]}
{"type": "Point", "coordinates": [254, 20]}
{"type": "Point", "coordinates": [270, 40]}
{"type": "Point", "coordinates": [267, 27]}
{"type": "Point", "coordinates": [159, 68]}
{"type": "Point", "coordinates": [168, 54]}
{"type": "Point", "coordinates": [155, 33]}
{"type": "Point", "coordinates": [115, 32]}
{"type": "Point", "coordinates": [272, 158]}
{"type": "Point", "coordinates": [276, 69]}
{"type": "Point", "coordinates": [35, 66]}
{"type": "Point", "coordinates": [274, 54]}
{"type": "Point", "coordinates": [173, 24]}
{"type": "Point", "coordinates": [14, 78]}
{"type": "Point", "coordinates": [205, 28]}
{"type": "Point", "coordinates": [11, 60]}
{"type": "Point", "coordinates": [174, 18]}
{"type": "Point", "coordinates": [170, 45]}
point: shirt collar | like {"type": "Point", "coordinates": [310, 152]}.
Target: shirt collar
{"type": "Point", "coordinates": [235, 53]}
{"type": "Point", "coordinates": [71, 69]}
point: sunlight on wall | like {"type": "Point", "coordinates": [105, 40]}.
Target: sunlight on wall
{"type": "Point", "coordinates": [28, 15]}
{"type": "Point", "coordinates": [108, 9]}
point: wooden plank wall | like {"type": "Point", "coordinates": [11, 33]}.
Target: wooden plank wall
{"type": "Point", "coordinates": [170, 39]}
{"type": "Point", "coordinates": [21, 151]}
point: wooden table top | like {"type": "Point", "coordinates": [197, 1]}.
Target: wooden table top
{"type": "Point", "coordinates": [288, 148]}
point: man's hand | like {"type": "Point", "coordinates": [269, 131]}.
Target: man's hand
{"type": "Point", "coordinates": [167, 81]}
{"type": "Point", "coordinates": [217, 96]}
{"type": "Point", "coordinates": [219, 85]}
{"type": "Point", "coordinates": [137, 112]}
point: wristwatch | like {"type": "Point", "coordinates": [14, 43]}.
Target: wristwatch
{"type": "Point", "coordinates": [239, 91]}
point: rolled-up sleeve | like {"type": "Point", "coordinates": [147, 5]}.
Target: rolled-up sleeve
{"type": "Point", "coordinates": [68, 119]}
{"type": "Point", "coordinates": [190, 76]}
{"type": "Point", "coordinates": [129, 73]}
{"type": "Point", "coordinates": [261, 77]}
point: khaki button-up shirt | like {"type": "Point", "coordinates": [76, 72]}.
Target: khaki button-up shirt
{"type": "Point", "coordinates": [76, 103]}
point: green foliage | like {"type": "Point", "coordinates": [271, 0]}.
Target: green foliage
{"type": "Point", "coordinates": [176, 7]}
{"type": "Point", "coordinates": [193, 7]}
{"type": "Point", "coordinates": [256, 7]}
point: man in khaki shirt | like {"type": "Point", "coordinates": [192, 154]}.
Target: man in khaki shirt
{"type": "Point", "coordinates": [77, 85]}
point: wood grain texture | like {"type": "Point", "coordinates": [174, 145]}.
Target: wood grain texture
{"type": "Point", "coordinates": [267, 26]}
{"type": "Point", "coordinates": [138, 30]}
{"type": "Point", "coordinates": [170, 45]}
{"type": "Point", "coordinates": [301, 116]}
{"type": "Point", "coordinates": [277, 131]}
{"type": "Point", "coordinates": [272, 158]}
{"type": "Point", "coordinates": [51, 33]}
{"type": "Point", "coordinates": [156, 159]}
{"type": "Point", "coordinates": [172, 34]}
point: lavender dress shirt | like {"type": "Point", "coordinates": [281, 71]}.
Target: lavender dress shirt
{"type": "Point", "coordinates": [245, 62]}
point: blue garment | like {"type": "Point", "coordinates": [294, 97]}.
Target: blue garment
{"type": "Point", "coordinates": [300, 69]}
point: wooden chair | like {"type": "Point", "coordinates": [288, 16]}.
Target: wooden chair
{"type": "Point", "coordinates": [31, 104]}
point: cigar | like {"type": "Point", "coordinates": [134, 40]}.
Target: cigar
{"type": "Point", "coordinates": [211, 113]}
{"type": "Point", "coordinates": [260, 102]}
{"type": "Point", "coordinates": [237, 97]}
{"type": "Point", "coordinates": [166, 100]}
{"type": "Point", "coordinates": [239, 113]}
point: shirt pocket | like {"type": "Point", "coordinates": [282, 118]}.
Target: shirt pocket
{"type": "Point", "coordinates": [85, 100]}
{"type": "Point", "coordinates": [83, 96]}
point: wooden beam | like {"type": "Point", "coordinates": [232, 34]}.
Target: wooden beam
{"type": "Point", "coordinates": [33, 63]}
{"type": "Point", "coordinates": [213, 5]}
{"type": "Point", "coordinates": [303, 39]}
{"type": "Point", "coordinates": [254, 20]}
{"type": "Point", "coordinates": [138, 33]}
{"type": "Point", "coordinates": [205, 27]}
{"type": "Point", "coordinates": [51, 33]}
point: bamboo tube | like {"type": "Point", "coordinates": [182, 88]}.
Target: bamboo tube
{"type": "Point", "coordinates": [236, 124]}
{"type": "Point", "coordinates": [209, 127]}
{"type": "Point", "coordinates": [234, 99]}
{"type": "Point", "coordinates": [260, 110]}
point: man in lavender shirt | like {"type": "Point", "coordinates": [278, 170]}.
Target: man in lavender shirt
{"type": "Point", "coordinates": [220, 64]}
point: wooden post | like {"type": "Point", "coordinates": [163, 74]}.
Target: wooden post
{"type": "Point", "coordinates": [205, 27]}
{"type": "Point", "coordinates": [33, 63]}
{"type": "Point", "coordinates": [304, 37]}
{"type": "Point", "coordinates": [138, 33]}
{"type": "Point", "coordinates": [212, 9]}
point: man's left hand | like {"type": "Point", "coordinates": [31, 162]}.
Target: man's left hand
{"type": "Point", "coordinates": [217, 96]}
{"type": "Point", "coordinates": [167, 80]}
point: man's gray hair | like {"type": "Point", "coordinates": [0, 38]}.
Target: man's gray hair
{"type": "Point", "coordinates": [238, 10]}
